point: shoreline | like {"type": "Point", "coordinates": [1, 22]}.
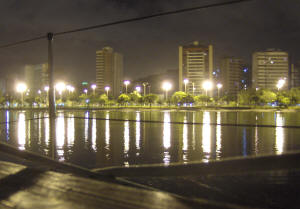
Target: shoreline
{"type": "Point", "coordinates": [198, 108]}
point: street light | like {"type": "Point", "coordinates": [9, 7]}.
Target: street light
{"type": "Point", "coordinates": [60, 87]}
{"type": "Point", "coordinates": [21, 88]}
{"type": "Point", "coordinates": [280, 84]}
{"type": "Point", "coordinates": [166, 86]}
{"type": "Point", "coordinates": [93, 87]}
{"type": "Point", "coordinates": [107, 88]}
{"type": "Point", "coordinates": [70, 88]}
{"type": "Point", "coordinates": [126, 84]}
{"type": "Point", "coordinates": [145, 84]}
{"type": "Point", "coordinates": [193, 88]}
{"type": "Point", "coordinates": [219, 86]}
{"type": "Point", "coordinates": [207, 85]}
{"type": "Point", "coordinates": [138, 89]}
{"type": "Point", "coordinates": [185, 81]}
{"type": "Point", "coordinates": [85, 91]}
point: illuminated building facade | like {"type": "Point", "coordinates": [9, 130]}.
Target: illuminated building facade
{"type": "Point", "coordinates": [196, 65]}
{"type": "Point", "coordinates": [268, 67]}
{"type": "Point", "coordinates": [295, 75]}
{"type": "Point", "coordinates": [231, 73]}
{"type": "Point", "coordinates": [109, 71]}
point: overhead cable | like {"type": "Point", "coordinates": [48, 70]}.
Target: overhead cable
{"type": "Point", "coordinates": [126, 21]}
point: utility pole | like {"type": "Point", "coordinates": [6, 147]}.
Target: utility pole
{"type": "Point", "coordinates": [52, 114]}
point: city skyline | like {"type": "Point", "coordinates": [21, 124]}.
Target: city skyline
{"type": "Point", "coordinates": [148, 46]}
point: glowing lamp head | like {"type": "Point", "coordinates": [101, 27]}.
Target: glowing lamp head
{"type": "Point", "coordinates": [138, 89]}
{"type": "Point", "coordinates": [46, 88]}
{"type": "Point", "coordinates": [107, 88]}
{"type": "Point", "coordinates": [166, 86]}
{"type": "Point", "coordinates": [126, 82]}
{"type": "Point", "coordinates": [21, 87]}
{"type": "Point", "coordinates": [280, 83]}
{"type": "Point", "coordinates": [207, 85]}
{"type": "Point", "coordinates": [219, 85]}
{"type": "Point", "coordinates": [61, 86]}
{"type": "Point", "coordinates": [93, 86]}
{"type": "Point", "coordinates": [186, 81]}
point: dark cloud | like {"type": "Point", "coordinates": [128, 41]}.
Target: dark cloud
{"type": "Point", "coordinates": [148, 46]}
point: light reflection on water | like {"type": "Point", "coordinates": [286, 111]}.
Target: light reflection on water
{"type": "Point", "coordinates": [21, 131]}
{"type": "Point", "coordinates": [60, 135]}
{"type": "Point", "coordinates": [138, 130]}
{"type": "Point", "coordinates": [218, 136]}
{"type": "Point", "coordinates": [135, 142]}
{"type": "Point", "coordinates": [279, 142]}
{"type": "Point", "coordinates": [167, 137]}
{"type": "Point", "coordinates": [206, 135]}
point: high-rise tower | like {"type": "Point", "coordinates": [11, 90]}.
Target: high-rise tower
{"type": "Point", "coordinates": [196, 65]}
{"type": "Point", "coordinates": [231, 73]}
{"type": "Point", "coordinates": [109, 70]}
{"type": "Point", "coordinates": [268, 67]}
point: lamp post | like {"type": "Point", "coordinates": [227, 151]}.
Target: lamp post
{"type": "Point", "coordinates": [21, 88]}
{"type": "Point", "coordinates": [93, 87]}
{"type": "Point", "coordinates": [126, 83]}
{"type": "Point", "coordinates": [207, 85]}
{"type": "Point", "coordinates": [219, 86]}
{"type": "Point", "coordinates": [280, 84]}
{"type": "Point", "coordinates": [185, 81]}
{"type": "Point", "coordinates": [107, 88]}
{"type": "Point", "coordinates": [85, 91]}
{"type": "Point", "coordinates": [60, 87]}
{"type": "Point", "coordinates": [193, 88]}
{"type": "Point", "coordinates": [145, 84]}
{"type": "Point", "coordinates": [70, 88]}
{"type": "Point", "coordinates": [138, 89]}
{"type": "Point", "coordinates": [166, 86]}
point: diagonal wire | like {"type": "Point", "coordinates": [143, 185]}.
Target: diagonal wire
{"type": "Point", "coordinates": [127, 21]}
{"type": "Point", "coordinates": [151, 16]}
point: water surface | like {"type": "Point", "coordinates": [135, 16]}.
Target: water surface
{"type": "Point", "coordinates": [124, 137]}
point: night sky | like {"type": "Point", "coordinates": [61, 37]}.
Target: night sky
{"type": "Point", "coordinates": [149, 46]}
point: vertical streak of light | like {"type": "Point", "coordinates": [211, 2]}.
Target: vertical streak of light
{"type": "Point", "coordinates": [21, 131]}
{"type": "Point", "coordinates": [86, 126]}
{"type": "Point", "coordinates": [194, 133]}
{"type": "Point", "coordinates": [138, 130]}
{"type": "Point", "coordinates": [60, 134]}
{"type": "Point", "coordinates": [185, 134]}
{"type": "Point", "coordinates": [206, 144]}
{"type": "Point", "coordinates": [167, 137]}
{"type": "Point", "coordinates": [167, 131]}
{"type": "Point", "coordinates": [7, 125]}
{"type": "Point", "coordinates": [126, 136]}
{"type": "Point", "coordinates": [107, 130]}
{"type": "Point", "coordinates": [218, 136]}
{"type": "Point", "coordinates": [256, 136]}
{"type": "Point", "coordinates": [47, 128]}
{"type": "Point", "coordinates": [279, 134]}
{"type": "Point", "coordinates": [94, 132]}
{"type": "Point", "coordinates": [71, 129]}
{"type": "Point", "coordinates": [185, 139]}
{"type": "Point", "coordinates": [40, 128]}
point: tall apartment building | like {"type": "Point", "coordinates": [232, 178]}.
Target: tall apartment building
{"type": "Point", "coordinates": [295, 75]}
{"type": "Point", "coordinates": [109, 70]}
{"type": "Point", "coordinates": [36, 77]}
{"type": "Point", "coordinates": [268, 67]}
{"type": "Point", "coordinates": [196, 65]}
{"type": "Point", "coordinates": [231, 74]}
